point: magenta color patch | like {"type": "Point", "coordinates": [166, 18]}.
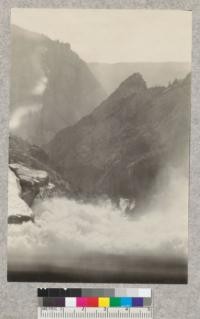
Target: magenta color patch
{"type": "Point", "coordinates": [81, 302]}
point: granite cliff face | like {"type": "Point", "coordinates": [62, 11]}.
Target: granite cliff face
{"type": "Point", "coordinates": [119, 149]}
{"type": "Point", "coordinates": [51, 87]}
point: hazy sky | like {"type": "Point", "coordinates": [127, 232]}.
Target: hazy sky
{"type": "Point", "coordinates": [115, 35]}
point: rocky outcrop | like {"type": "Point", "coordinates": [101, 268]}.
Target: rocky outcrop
{"type": "Point", "coordinates": [51, 86]}
{"type": "Point", "coordinates": [119, 149]}
{"type": "Point", "coordinates": [31, 181]}
{"type": "Point", "coordinates": [34, 157]}
{"type": "Point", "coordinates": [25, 186]}
{"type": "Point", "coordinates": [20, 219]}
{"type": "Point", "coordinates": [31, 178]}
{"type": "Point", "coordinates": [18, 209]}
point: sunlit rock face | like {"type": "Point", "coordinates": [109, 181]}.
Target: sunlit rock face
{"type": "Point", "coordinates": [31, 181]}
{"type": "Point", "coordinates": [25, 186]}
{"type": "Point", "coordinates": [18, 209]}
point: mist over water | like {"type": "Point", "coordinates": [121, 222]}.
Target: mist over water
{"type": "Point", "coordinates": [21, 113]}
{"type": "Point", "coordinates": [66, 229]}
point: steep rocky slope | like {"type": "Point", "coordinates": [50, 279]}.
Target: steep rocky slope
{"type": "Point", "coordinates": [120, 148]}
{"type": "Point", "coordinates": [51, 87]}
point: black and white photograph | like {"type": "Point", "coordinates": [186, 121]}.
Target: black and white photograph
{"type": "Point", "coordinates": [99, 139]}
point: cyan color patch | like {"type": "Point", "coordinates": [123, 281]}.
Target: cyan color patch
{"type": "Point", "coordinates": [126, 302]}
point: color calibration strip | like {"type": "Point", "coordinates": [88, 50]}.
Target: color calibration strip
{"type": "Point", "coordinates": [93, 303]}
{"type": "Point", "coordinates": [104, 298]}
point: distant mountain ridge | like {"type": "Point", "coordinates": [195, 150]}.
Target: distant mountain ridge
{"type": "Point", "coordinates": [155, 74]}
{"type": "Point", "coordinates": [51, 87]}
{"type": "Point", "coordinates": [119, 149]}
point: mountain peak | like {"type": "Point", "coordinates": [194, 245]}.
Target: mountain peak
{"type": "Point", "coordinates": [134, 81]}
{"type": "Point", "coordinates": [132, 85]}
{"type": "Point", "coordinates": [119, 149]}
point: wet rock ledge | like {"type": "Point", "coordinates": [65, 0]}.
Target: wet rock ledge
{"type": "Point", "coordinates": [26, 185]}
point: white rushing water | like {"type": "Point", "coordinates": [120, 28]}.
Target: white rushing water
{"type": "Point", "coordinates": [65, 229]}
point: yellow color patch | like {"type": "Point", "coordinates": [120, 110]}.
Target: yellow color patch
{"type": "Point", "coordinates": [104, 302]}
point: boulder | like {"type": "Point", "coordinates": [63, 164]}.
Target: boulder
{"type": "Point", "coordinates": [18, 210]}
{"type": "Point", "coordinates": [31, 181]}
{"type": "Point", "coordinates": [20, 219]}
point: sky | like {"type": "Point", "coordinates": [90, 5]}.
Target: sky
{"type": "Point", "coordinates": [110, 36]}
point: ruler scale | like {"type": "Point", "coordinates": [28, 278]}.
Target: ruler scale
{"type": "Point", "coordinates": [95, 303]}
{"type": "Point", "coordinates": [108, 313]}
